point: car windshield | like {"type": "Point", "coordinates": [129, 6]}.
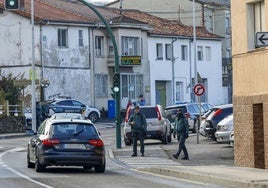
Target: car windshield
{"type": "Point", "coordinates": [73, 129]}
{"type": "Point", "coordinates": [149, 112]}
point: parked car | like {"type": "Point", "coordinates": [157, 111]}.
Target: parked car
{"type": "Point", "coordinates": [66, 142]}
{"type": "Point", "coordinates": [67, 116]}
{"type": "Point", "coordinates": [206, 106]}
{"type": "Point", "coordinates": [224, 129]}
{"type": "Point", "coordinates": [71, 105]}
{"type": "Point", "coordinates": [203, 122]}
{"type": "Point", "coordinates": [191, 111]}
{"type": "Point", "coordinates": [231, 139]}
{"type": "Point", "coordinates": [218, 113]}
{"type": "Point", "coordinates": [158, 126]}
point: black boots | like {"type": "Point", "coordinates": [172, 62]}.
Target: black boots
{"type": "Point", "coordinates": [185, 158]}
{"type": "Point", "coordinates": [175, 156]}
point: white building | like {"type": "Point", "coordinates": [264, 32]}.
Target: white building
{"type": "Point", "coordinates": [74, 52]}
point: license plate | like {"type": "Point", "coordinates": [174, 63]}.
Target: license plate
{"type": "Point", "coordinates": [74, 146]}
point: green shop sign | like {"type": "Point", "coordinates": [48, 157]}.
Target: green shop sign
{"type": "Point", "coordinates": [130, 60]}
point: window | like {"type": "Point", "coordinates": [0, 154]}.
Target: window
{"type": "Point", "coordinates": [80, 38]}
{"type": "Point", "coordinates": [132, 86]}
{"type": "Point", "coordinates": [99, 45]}
{"type": "Point", "coordinates": [184, 52]}
{"type": "Point", "coordinates": [130, 46]}
{"type": "Point", "coordinates": [200, 53]}
{"type": "Point", "coordinates": [159, 51]}
{"type": "Point", "coordinates": [208, 53]}
{"type": "Point", "coordinates": [258, 11]}
{"type": "Point", "coordinates": [255, 21]}
{"type": "Point", "coordinates": [101, 85]}
{"type": "Point", "coordinates": [110, 47]}
{"type": "Point", "coordinates": [62, 38]}
{"type": "Point", "coordinates": [227, 25]}
{"type": "Point", "coordinates": [168, 52]}
{"type": "Point", "coordinates": [179, 91]}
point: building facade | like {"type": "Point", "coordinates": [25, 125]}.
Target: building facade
{"type": "Point", "coordinates": [214, 15]}
{"type": "Point", "coordinates": [75, 53]}
{"type": "Point", "coordinates": [250, 83]}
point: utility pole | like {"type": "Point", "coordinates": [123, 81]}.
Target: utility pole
{"type": "Point", "coordinates": [34, 128]}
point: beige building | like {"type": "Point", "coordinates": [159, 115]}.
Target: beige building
{"type": "Point", "coordinates": [250, 88]}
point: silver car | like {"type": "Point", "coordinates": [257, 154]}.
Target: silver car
{"type": "Point", "coordinates": [224, 129]}
{"type": "Point", "coordinates": [158, 125]}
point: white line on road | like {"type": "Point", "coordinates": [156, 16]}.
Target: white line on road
{"type": "Point", "coordinates": [18, 173]}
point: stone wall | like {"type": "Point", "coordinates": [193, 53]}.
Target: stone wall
{"type": "Point", "coordinates": [12, 124]}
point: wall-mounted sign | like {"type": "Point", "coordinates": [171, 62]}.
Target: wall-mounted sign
{"type": "Point", "coordinates": [130, 60]}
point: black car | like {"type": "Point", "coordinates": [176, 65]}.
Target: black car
{"type": "Point", "coordinates": [217, 114]}
{"type": "Point", "coordinates": [66, 142]}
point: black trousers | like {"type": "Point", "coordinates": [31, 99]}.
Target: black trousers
{"type": "Point", "coordinates": [182, 147]}
{"type": "Point", "coordinates": [135, 137]}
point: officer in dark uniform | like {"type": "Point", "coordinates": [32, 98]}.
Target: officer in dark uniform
{"type": "Point", "coordinates": [138, 129]}
{"type": "Point", "coordinates": [182, 129]}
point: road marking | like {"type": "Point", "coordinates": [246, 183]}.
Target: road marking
{"type": "Point", "coordinates": [18, 173]}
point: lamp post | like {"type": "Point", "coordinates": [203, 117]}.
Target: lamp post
{"type": "Point", "coordinates": [116, 71]}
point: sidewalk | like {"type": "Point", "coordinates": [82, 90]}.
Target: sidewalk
{"type": "Point", "coordinates": [13, 135]}
{"type": "Point", "coordinates": [218, 171]}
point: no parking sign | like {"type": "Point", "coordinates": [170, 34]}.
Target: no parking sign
{"type": "Point", "coordinates": [199, 89]}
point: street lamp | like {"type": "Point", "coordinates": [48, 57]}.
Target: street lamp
{"type": "Point", "coordinates": [116, 71]}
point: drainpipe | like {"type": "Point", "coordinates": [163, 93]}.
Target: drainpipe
{"type": "Point", "coordinates": [173, 71]}
{"type": "Point", "coordinates": [92, 59]}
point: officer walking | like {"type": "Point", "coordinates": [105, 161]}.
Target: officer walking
{"type": "Point", "coordinates": [182, 129]}
{"type": "Point", "coordinates": [138, 129]}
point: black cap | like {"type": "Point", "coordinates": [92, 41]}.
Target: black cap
{"type": "Point", "coordinates": [136, 107]}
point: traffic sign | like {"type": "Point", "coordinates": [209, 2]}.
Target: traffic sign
{"type": "Point", "coordinates": [261, 39]}
{"type": "Point", "coordinates": [199, 89]}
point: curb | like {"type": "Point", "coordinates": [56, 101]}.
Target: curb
{"type": "Point", "coordinates": [225, 180]}
{"type": "Point", "coordinates": [9, 136]}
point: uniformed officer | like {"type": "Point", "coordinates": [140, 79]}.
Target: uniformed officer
{"type": "Point", "coordinates": [182, 129]}
{"type": "Point", "coordinates": [138, 129]}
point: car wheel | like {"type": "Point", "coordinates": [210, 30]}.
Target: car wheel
{"type": "Point", "coordinates": [38, 166]}
{"type": "Point", "coordinates": [169, 138]}
{"type": "Point", "coordinates": [100, 168]}
{"type": "Point", "coordinates": [165, 139]}
{"type": "Point", "coordinates": [196, 122]}
{"type": "Point", "coordinates": [29, 163]}
{"type": "Point", "coordinates": [93, 116]}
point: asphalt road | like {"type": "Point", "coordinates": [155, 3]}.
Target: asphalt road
{"type": "Point", "coordinates": [14, 172]}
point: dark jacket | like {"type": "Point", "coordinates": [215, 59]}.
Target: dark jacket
{"type": "Point", "coordinates": [138, 122]}
{"type": "Point", "coordinates": [181, 125]}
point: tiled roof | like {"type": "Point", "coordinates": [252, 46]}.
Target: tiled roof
{"type": "Point", "coordinates": [45, 11]}
{"type": "Point", "coordinates": [166, 27]}
{"type": "Point", "coordinates": [69, 11]}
